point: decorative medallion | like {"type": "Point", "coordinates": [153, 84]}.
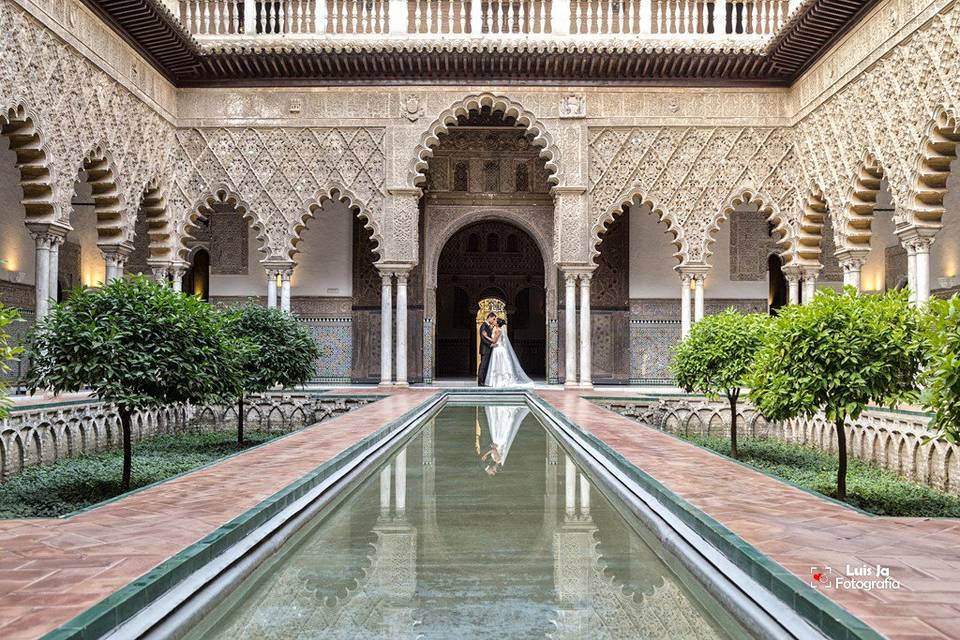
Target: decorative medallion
{"type": "Point", "coordinates": [412, 108]}
{"type": "Point", "coordinates": [573, 106]}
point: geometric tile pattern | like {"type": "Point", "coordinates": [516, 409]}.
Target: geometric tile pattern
{"type": "Point", "coordinates": [334, 336]}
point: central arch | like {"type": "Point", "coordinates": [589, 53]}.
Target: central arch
{"type": "Point", "coordinates": [490, 258]}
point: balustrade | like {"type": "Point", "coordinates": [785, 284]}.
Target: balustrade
{"type": "Point", "coordinates": [477, 17]}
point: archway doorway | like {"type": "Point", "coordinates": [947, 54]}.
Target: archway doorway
{"type": "Point", "coordinates": [489, 260]}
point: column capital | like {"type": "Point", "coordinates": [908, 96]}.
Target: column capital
{"type": "Point", "coordinates": [693, 271]}
{"type": "Point", "coordinates": [916, 238]}
{"type": "Point", "coordinates": [810, 273]}
{"type": "Point", "coordinates": [48, 233]}
{"type": "Point", "coordinates": [178, 269]}
{"type": "Point", "coordinates": [851, 260]}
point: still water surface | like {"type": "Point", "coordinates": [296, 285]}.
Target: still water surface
{"type": "Point", "coordinates": [479, 527]}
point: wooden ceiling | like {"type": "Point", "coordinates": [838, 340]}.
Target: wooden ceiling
{"type": "Point", "coordinates": [151, 29]}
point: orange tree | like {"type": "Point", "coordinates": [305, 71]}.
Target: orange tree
{"type": "Point", "coordinates": [715, 358]}
{"type": "Point", "coordinates": [837, 354]}
{"type": "Point", "coordinates": [135, 344]}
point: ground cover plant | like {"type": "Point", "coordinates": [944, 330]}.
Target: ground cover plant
{"type": "Point", "coordinates": [70, 484]}
{"type": "Point", "coordinates": [868, 487]}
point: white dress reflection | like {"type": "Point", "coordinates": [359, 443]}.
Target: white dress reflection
{"type": "Point", "coordinates": [503, 423]}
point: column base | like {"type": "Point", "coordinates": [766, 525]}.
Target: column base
{"type": "Point", "coordinates": [572, 384]}
{"type": "Point", "coordinates": [385, 385]}
{"type": "Point", "coordinates": [585, 385]}
{"type": "Point", "coordinates": [401, 384]}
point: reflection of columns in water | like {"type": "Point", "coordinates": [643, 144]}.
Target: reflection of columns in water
{"type": "Point", "coordinates": [570, 491]}
{"type": "Point", "coordinates": [394, 493]}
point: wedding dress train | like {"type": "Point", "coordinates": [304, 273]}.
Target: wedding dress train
{"type": "Point", "coordinates": [505, 369]}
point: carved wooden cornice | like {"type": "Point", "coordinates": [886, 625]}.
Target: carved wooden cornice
{"type": "Point", "coordinates": [366, 59]}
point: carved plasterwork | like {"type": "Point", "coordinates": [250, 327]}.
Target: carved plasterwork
{"type": "Point", "coordinates": [689, 176]}
{"type": "Point", "coordinates": [81, 115]}
{"type": "Point", "coordinates": [540, 136]}
{"type": "Point", "coordinates": [282, 174]}
{"type": "Point", "coordinates": [895, 120]}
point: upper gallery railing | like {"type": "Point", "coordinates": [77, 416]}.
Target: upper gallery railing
{"type": "Point", "coordinates": [682, 18]}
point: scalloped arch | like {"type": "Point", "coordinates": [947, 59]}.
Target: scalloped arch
{"type": "Point", "coordinates": [336, 193]}
{"type": "Point", "coordinates": [784, 231]}
{"type": "Point", "coordinates": [541, 137]}
{"type": "Point", "coordinates": [860, 199]}
{"type": "Point", "coordinates": [635, 197]}
{"type": "Point", "coordinates": [160, 231]}
{"type": "Point", "coordinates": [20, 125]}
{"type": "Point", "coordinates": [935, 154]}
{"type": "Point", "coordinates": [108, 204]}
{"type": "Point", "coordinates": [203, 206]}
{"type": "Point", "coordinates": [806, 245]}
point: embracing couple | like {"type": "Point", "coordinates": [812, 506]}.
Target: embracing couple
{"type": "Point", "coordinates": [499, 366]}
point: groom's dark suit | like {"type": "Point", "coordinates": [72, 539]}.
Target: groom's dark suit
{"type": "Point", "coordinates": [486, 348]}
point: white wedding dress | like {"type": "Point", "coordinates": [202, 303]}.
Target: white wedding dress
{"type": "Point", "coordinates": [505, 369]}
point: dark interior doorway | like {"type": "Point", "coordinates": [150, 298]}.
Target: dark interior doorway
{"type": "Point", "coordinates": [490, 259]}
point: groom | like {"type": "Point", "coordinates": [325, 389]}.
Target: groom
{"type": "Point", "coordinates": [486, 348]}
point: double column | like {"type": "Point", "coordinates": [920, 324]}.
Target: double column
{"type": "Point", "coordinates": [801, 280]}
{"type": "Point", "coordinates": [585, 378]}
{"type": "Point", "coordinates": [387, 324]}
{"type": "Point", "coordinates": [279, 275]}
{"type": "Point", "coordinates": [851, 263]}
{"type": "Point", "coordinates": [48, 238]}
{"type": "Point", "coordinates": [917, 242]}
{"type": "Point", "coordinates": [691, 280]}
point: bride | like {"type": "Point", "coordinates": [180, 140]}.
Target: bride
{"type": "Point", "coordinates": [505, 369]}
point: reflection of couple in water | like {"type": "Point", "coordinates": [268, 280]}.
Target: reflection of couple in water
{"type": "Point", "coordinates": [503, 422]}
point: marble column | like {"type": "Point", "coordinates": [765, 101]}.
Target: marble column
{"type": "Point", "coordinates": [684, 305]}
{"type": "Point", "coordinates": [55, 242]}
{"type": "Point", "coordinates": [285, 275]}
{"type": "Point", "coordinates": [42, 274]}
{"type": "Point", "coordinates": [698, 297]}
{"type": "Point", "coordinates": [852, 266]}
{"type": "Point", "coordinates": [271, 288]}
{"type": "Point", "coordinates": [809, 279]}
{"type": "Point", "coordinates": [401, 375]}
{"type": "Point", "coordinates": [586, 373]}
{"type": "Point", "coordinates": [911, 270]}
{"type": "Point", "coordinates": [161, 274]}
{"type": "Point", "coordinates": [922, 260]}
{"type": "Point", "coordinates": [386, 328]}
{"type": "Point", "coordinates": [115, 258]}
{"type": "Point", "coordinates": [177, 271]}
{"type": "Point", "coordinates": [792, 276]}
{"type": "Point", "coordinates": [570, 330]}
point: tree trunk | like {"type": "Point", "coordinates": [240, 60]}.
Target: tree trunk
{"type": "Point", "coordinates": [240, 421]}
{"type": "Point", "coordinates": [733, 424]}
{"type": "Point", "coordinates": [842, 459]}
{"type": "Point", "coordinates": [127, 448]}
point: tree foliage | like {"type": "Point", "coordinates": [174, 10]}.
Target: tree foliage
{"type": "Point", "coordinates": [941, 376]}
{"type": "Point", "coordinates": [837, 354]}
{"type": "Point", "coordinates": [715, 358]}
{"type": "Point", "coordinates": [8, 315]}
{"type": "Point", "coordinates": [276, 350]}
{"type": "Point", "coordinates": [136, 344]}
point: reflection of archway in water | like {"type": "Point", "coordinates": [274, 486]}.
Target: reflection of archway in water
{"type": "Point", "coordinates": [489, 259]}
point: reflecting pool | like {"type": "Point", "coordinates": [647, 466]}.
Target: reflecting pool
{"type": "Point", "coordinates": [480, 526]}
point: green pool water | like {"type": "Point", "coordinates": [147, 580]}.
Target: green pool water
{"type": "Point", "coordinates": [480, 526]}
